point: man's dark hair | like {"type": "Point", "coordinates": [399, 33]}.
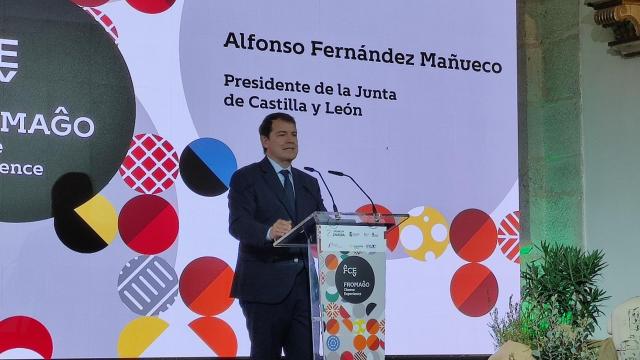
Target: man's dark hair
{"type": "Point", "coordinates": [267, 123]}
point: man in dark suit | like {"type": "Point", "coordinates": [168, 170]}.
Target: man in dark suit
{"type": "Point", "coordinates": [266, 199]}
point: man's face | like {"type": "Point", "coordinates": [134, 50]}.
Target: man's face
{"type": "Point", "coordinates": [282, 143]}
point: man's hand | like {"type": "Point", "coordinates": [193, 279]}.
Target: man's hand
{"type": "Point", "coordinates": [279, 228]}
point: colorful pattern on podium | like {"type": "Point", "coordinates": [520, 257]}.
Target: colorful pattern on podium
{"type": "Point", "coordinates": [352, 286]}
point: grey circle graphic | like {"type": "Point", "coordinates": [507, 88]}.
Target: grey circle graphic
{"type": "Point", "coordinates": [330, 279]}
{"type": "Point", "coordinates": [355, 280]}
{"type": "Point", "coordinates": [68, 106]}
{"type": "Point", "coordinates": [359, 311]}
{"type": "Point", "coordinates": [332, 356]}
{"type": "Point", "coordinates": [148, 285]}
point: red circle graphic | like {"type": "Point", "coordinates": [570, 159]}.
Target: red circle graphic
{"type": "Point", "coordinates": [373, 342]}
{"type": "Point", "coordinates": [333, 326]}
{"type": "Point", "coordinates": [474, 290]}
{"type": "Point", "coordinates": [90, 3]}
{"type": "Point", "coordinates": [151, 6]}
{"type": "Point", "coordinates": [217, 334]}
{"type": "Point", "coordinates": [205, 286]}
{"type": "Point", "coordinates": [347, 355]}
{"type": "Point", "coordinates": [22, 332]}
{"type": "Point", "coordinates": [392, 237]}
{"type": "Point", "coordinates": [473, 235]}
{"type": "Point", "coordinates": [148, 224]}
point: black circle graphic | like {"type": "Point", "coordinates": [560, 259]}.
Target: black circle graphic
{"type": "Point", "coordinates": [206, 166]}
{"type": "Point", "coordinates": [68, 105]}
{"type": "Point", "coordinates": [355, 279]}
{"type": "Point", "coordinates": [69, 192]}
{"type": "Point", "coordinates": [198, 177]}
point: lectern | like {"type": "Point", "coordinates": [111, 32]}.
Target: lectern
{"type": "Point", "coordinates": [346, 262]}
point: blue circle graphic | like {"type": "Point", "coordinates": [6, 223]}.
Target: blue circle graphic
{"type": "Point", "coordinates": [206, 166]}
{"type": "Point", "coordinates": [333, 343]}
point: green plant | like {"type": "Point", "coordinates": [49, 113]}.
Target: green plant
{"type": "Point", "coordinates": [550, 335]}
{"type": "Point", "coordinates": [512, 326]}
{"type": "Point", "coordinates": [560, 304]}
{"type": "Point", "coordinates": [559, 340]}
{"type": "Point", "coordinates": [570, 275]}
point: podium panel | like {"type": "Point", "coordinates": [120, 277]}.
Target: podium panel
{"type": "Point", "coordinates": [347, 277]}
{"type": "Point", "coordinates": [352, 290]}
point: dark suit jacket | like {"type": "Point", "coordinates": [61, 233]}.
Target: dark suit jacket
{"type": "Point", "coordinates": [256, 201]}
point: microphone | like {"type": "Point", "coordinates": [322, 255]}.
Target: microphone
{"type": "Point", "coordinates": [310, 169]}
{"type": "Point", "coordinates": [376, 215]}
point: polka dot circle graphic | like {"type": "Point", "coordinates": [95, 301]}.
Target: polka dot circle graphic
{"type": "Point", "coordinates": [148, 285]}
{"type": "Point", "coordinates": [206, 166]}
{"type": "Point", "coordinates": [217, 334]}
{"type": "Point", "coordinates": [393, 236]}
{"type": "Point", "coordinates": [509, 236]}
{"type": "Point", "coordinates": [432, 234]}
{"type": "Point", "coordinates": [151, 6]}
{"type": "Point", "coordinates": [148, 224]}
{"type": "Point", "coordinates": [473, 235]}
{"type": "Point", "coordinates": [474, 290]}
{"type": "Point", "coordinates": [89, 227]}
{"type": "Point", "coordinates": [23, 332]}
{"type": "Point", "coordinates": [151, 165]}
{"type": "Point", "coordinates": [205, 285]}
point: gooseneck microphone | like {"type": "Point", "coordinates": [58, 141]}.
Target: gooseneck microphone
{"type": "Point", "coordinates": [376, 215]}
{"type": "Point", "coordinates": [310, 169]}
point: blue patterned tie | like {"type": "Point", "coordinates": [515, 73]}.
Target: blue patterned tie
{"type": "Point", "coordinates": [288, 191]}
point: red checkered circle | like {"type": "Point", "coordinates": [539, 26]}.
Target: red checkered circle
{"type": "Point", "coordinates": [151, 165]}
{"type": "Point", "coordinates": [105, 21]}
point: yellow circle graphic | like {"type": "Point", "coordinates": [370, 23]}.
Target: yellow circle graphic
{"type": "Point", "coordinates": [433, 227]}
{"type": "Point", "coordinates": [136, 337]}
{"type": "Point", "coordinates": [100, 216]}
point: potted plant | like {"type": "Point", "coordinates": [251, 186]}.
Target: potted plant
{"type": "Point", "coordinates": [561, 301]}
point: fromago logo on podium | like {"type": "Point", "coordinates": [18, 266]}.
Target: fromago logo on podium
{"type": "Point", "coordinates": [67, 110]}
{"type": "Point", "coordinates": [355, 279]}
